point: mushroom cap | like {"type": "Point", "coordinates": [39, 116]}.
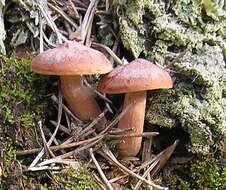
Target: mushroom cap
{"type": "Point", "coordinates": [138, 75]}
{"type": "Point", "coordinates": [71, 58]}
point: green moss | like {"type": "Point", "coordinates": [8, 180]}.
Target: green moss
{"type": "Point", "coordinates": [10, 153]}
{"type": "Point", "coordinates": [201, 173]}
{"type": "Point", "coordinates": [22, 105]}
{"type": "Point", "coordinates": [18, 93]}
{"type": "Point", "coordinates": [8, 157]}
{"type": "Point", "coordinates": [176, 182]}
{"type": "Point", "coordinates": [207, 175]}
{"type": "Point", "coordinates": [8, 115]}
{"type": "Point", "coordinates": [134, 11]}
{"type": "Point", "coordinates": [27, 120]}
{"type": "Point", "coordinates": [75, 180]}
{"type": "Point", "coordinates": [160, 52]}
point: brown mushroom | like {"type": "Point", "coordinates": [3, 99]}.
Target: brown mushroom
{"type": "Point", "coordinates": [70, 61]}
{"type": "Point", "coordinates": [134, 79]}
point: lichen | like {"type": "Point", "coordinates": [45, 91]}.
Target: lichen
{"type": "Point", "coordinates": [188, 12]}
{"type": "Point", "coordinates": [166, 25]}
{"type": "Point", "coordinates": [129, 37]}
{"type": "Point", "coordinates": [214, 9]}
{"type": "Point", "coordinates": [192, 32]}
{"type": "Point", "coordinates": [200, 112]}
{"type": "Point", "coordinates": [197, 102]}
{"type": "Point", "coordinates": [131, 27]}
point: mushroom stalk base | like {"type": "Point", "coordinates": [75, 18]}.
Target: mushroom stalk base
{"type": "Point", "coordinates": [134, 118]}
{"type": "Point", "coordinates": [80, 99]}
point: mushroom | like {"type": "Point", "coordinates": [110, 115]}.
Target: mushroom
{"type": "Point", "coordinates": [70, 61]}
{"type": "Point", "coordinates": [134, 79]}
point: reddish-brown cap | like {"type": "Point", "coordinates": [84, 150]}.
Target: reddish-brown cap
{"type": "Point", "coordinates": [71, 58]}
{"type": "Point", "coordinates": [138, 75]}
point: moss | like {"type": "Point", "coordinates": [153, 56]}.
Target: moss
{"type": "Point", "coordinates": [158, 112]}
{"type": "Point", "coordinates": [74, 180]}
{"type": "Point", "coordinates": [27, 120]}
{"type": "Point", "coordinates": [22, 105]}
{"type": "Point", "coordinates": [18, 92]}
{"type": "Point", "coordinates": [208, 175]}
{"type": "Point", "coordinates": [201, 173]}
{"type": "Point", "coordinates": [176, 182]}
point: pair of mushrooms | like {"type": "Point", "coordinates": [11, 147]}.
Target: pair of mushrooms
{"type": "Point", "coordinates": [72, 59]}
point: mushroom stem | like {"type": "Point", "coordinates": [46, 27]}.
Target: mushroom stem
{"type": "Point", "coordinates": [134, 119]}
{"type": "Point", "coordinates": [80, 100]}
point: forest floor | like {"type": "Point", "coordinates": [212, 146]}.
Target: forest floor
{"type": "Point", "coordinates": [44, 146]}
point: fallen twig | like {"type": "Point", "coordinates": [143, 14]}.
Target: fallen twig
{"type": "Point", "coordinates": [54, 98]}
{"type": "Point", "coordinates": [146, 155]}
{"type": "Point", "coordinates": [147, 171]}
{"type": "Point", "coordinates": [102, 175]}
{"type": "Point", "coordinates": [61, 127]}
{"type": "Point", "coordinates": [117, 118]}
{"type": "Point", "coordinates": [98, 181]}
{"type": "Point", "coordinates": [46, 148]}
{"type": "Point", "coordinates": [93, 123]}
{"type": "Point", "coordinates": [57, 147]}
{"type": "Point", "coordinates": [41, 153]}
{"type": "Point", "coordinates": [66, 155]}
{"type": "Point", "coordinates": [145, 134]}
{"type": "Point", "coordinates": [34, 168]}
{"type": "Point", "coordinates": [98, 93]}
{"type": "Point", "coordinates": [41, 46]}
{"type": "Point", "coordinates": [111, 53]}
{"type": "Point", "coordinates": [125, 169]}
{"type": "Point", "coordinates": [62, 13]}
{"type": "Point", "coordinates": [74, 8]}
{"type": "Point", "coordinates": [88, 18]}
{"type": "Point", "coordinates": [168, 150]}
{"type": "Point", "coordinates": [56, 142]}
{"type": "Point", "coordinates": [165, 156]}
{"type": "Point", "coordinates": [51, 23]}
